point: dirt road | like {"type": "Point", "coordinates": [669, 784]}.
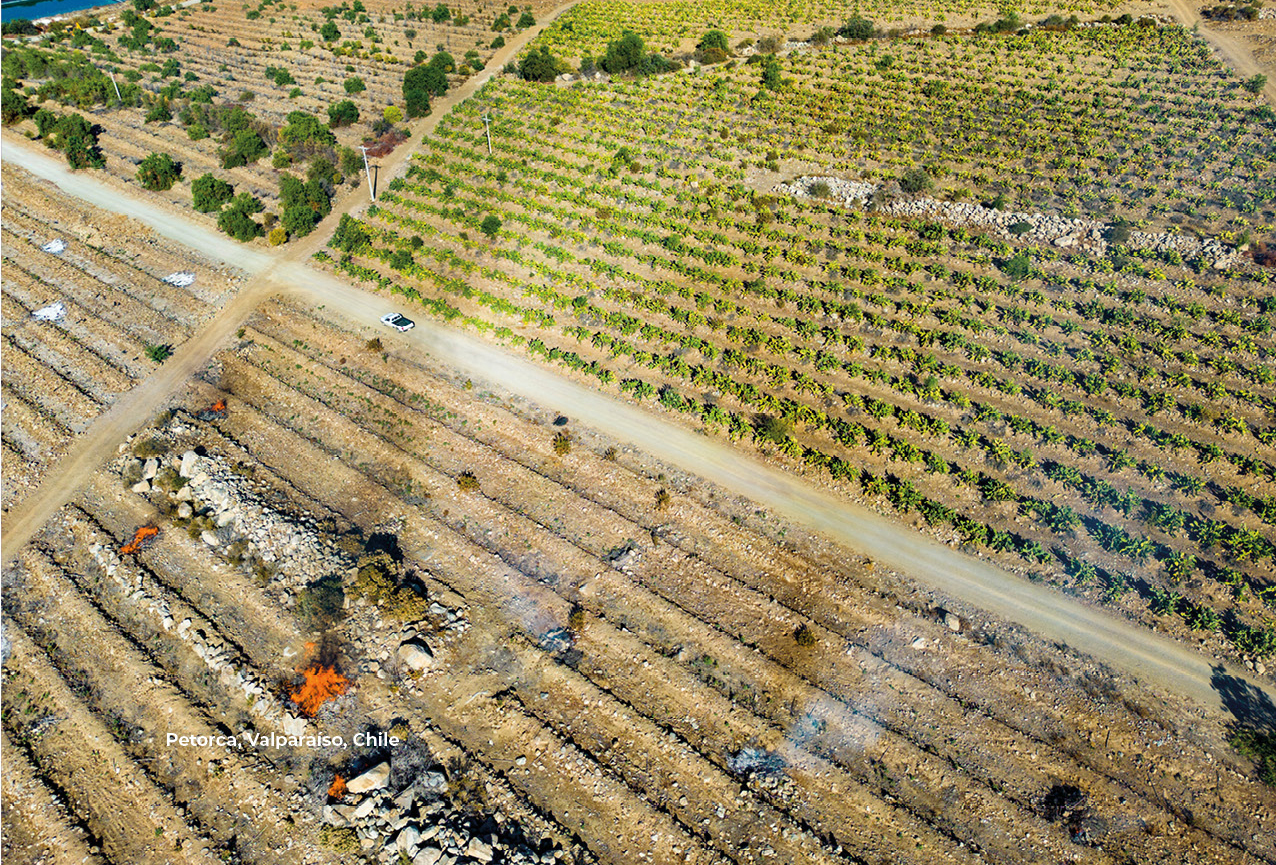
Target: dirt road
{"type": "Point", "coordinates": [1156, 660]}
{"type": "Point", "coordinates": [1233, 49]}
{"type": "Point", "coordinates": [134, 409]}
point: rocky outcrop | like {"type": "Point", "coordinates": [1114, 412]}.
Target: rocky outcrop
{"type": "Point", "coordinates": [1035, 227]}
{"type": "Point", "coordinates": [421, 825]}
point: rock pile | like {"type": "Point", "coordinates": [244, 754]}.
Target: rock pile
{"type": "Point", "coordinates": [292, 545]}
{"type": "Point", "coordinates": [1056, 230]}
{"type": "Point", "coordinates": [220, 659]}
{"type": "Point", "coordinates": [420, 824]}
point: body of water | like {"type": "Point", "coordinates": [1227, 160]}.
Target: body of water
{"type": "Point", "coordinates": [33, 9]}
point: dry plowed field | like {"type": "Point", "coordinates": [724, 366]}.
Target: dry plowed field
{"type": "Point", "coordinates": [60, 375]}
{"type": "Point", "coordinates": [614, 661]}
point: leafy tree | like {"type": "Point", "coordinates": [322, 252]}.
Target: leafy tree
{"type": "Point", "coordinates": [159, 112]}
{"type": "Point", "coordinates": [527, 19]}
{"type": "Point", "coordinates": [354, 84]}
{"type": "Point", "coordinates": [350, 235]}
{"type": "Point", "coordinates": [443, 61]}
{"type": "Point", "coordinates": [623, 54]}
{"type": "Point", "coordinates": [208, 193]}
{"type": "Point", "coordinates": [771, 79]}
{"type": "Point", "coordinates": [490, 226]}
{"type": "Point", "coordinates": [441, 13]}
{"type": "Point", "coordinates": [76, 137]}
{"type": "Point", "coordinates": [502, 22]}
{"type": "Point", "coordinates": [13, 106]}
{"type": "Point", "coordinates": [540, 65]}
{"type": "Point", "coordinates": [330, 32]}
{"type": "Point", "coordinates": [45, 122]}
{"type": "Point", "coordinates": [158, 172]}
{"type": "Point", "coordinates": [236, 220]}
{"type": "Point", "coordinates": [304, 135]}
{"type": "Point", "coordinates": [304, 204]}
{"type": "Point", "coordinates": [857, 28]}
{"type": "Point", "coordinates": [244, 147]}
{"type": "Point", "coordinates": [1260, 746]}
{"type": "Point", "coordinates": [343, 113]}
{"type": "Point", "coordinates": [19, 27]}
{"type": "Point", "coordinates": [714, 39]}
{"type": "Point", "coordinates": [351, 161]}
{"type": "Point", "coordinates": [713, 47]}
{"type": "Point", "coordinates": [416, 91]}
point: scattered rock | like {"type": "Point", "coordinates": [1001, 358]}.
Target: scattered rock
{"type": "Point", "coordinates": [415, 656]}
{"type": "Point", "coordinates": [373, 779]}
{"type": "Point", "coordinates": [952, 621]}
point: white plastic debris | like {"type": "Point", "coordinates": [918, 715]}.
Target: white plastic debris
{"type": "Point", "coordinates": [55, 246]}
{"type": "Point", "coordinates": [181, 279]}
{"type": "Point", "coordinates": [52, 312]}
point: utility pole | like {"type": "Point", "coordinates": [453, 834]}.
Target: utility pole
{"type": "Point", "coordinates": [368, 171]}
{"type": "Point", "coordinates": [487, 124]}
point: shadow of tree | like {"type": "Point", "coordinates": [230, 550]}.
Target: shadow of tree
{"type": "Point", "coordinates": [1248, 704]}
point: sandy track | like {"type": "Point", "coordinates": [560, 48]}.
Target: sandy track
{"type": "Point", "coordinates": [1234, 51]}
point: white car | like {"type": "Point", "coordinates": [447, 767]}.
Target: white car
{"type": "Point", "coordinates": [398, 322]}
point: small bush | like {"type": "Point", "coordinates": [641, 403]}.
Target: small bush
{"type": "Point", "coordinates": [320, 604]}
{"type": "Point", "coordinates": [576, 619]}
{"type": "Point", "coordinates": [377, 579]}
{"type": "Point", "coordinates": [467, 482]}
{"type": "Point", "coordinates": [150, 447]}
{"type": "Point", "coordinates": [374, 344]}
{"type": "Point", "coordinates": [804, 636]}
{"type": "Point", "coordinates": [662, 499]}
{"type": "Point", "coordinates": [278, 236]}
{"type": "Point", "coordinates": [1118, 232]}
{"type": "Point", "coordinates": [158, 353]}
{"type": "Point", "coordinates": [916, 180]}
{"type": "Point", "coordinates": [820, 189]}
{"type": "Point", "coordinates": [857, 28]}
{"type": "Point", "coordinates": [562, 444]}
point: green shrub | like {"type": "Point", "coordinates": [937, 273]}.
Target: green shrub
{"type": "Point", "coordinates": [158, 353]}
{"type": "Point", "coordinates": [208, 193]}
{"type": "Point", "coordinates": [158, 172]}
{"type": "Point", "coordinates": [857, 28]}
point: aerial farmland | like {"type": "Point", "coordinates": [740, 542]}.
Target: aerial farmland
{"type": "Point", "coordinates": [802, 433]}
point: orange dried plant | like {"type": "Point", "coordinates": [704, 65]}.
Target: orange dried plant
{"type": "Point", "coordinates": [322, 683]}
{"type": "Point", "coordinates": [141, 538]}
{"type": "Point", "coordinates": [338, 788]}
